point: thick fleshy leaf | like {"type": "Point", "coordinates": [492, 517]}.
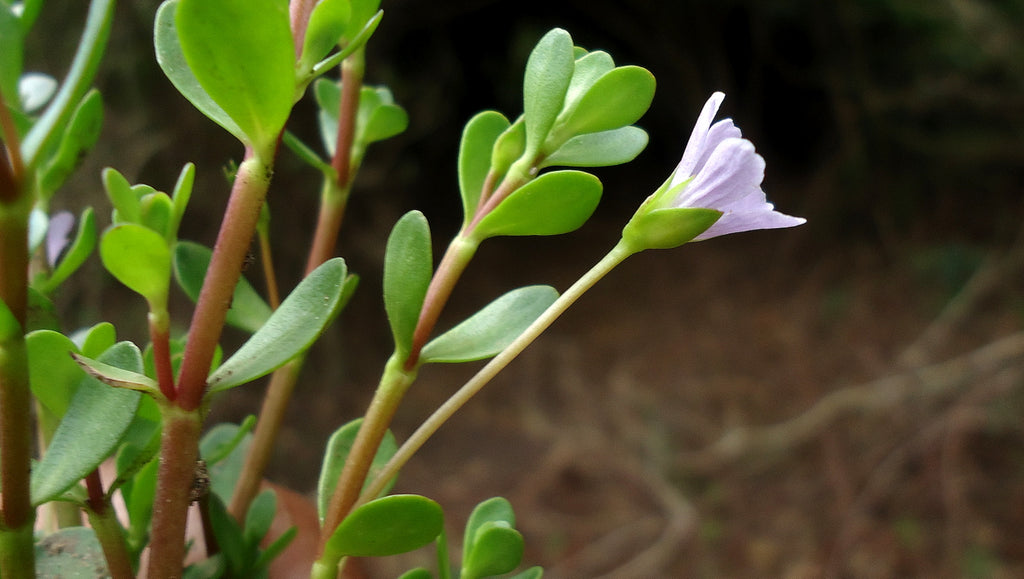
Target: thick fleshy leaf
{"type": "Point", "coordinates": [384, 119]}
{"type": "Point", "coordinates": [140, 259]}
{"type": "Point", "coordinates": [548, 73]}
{"type": "Point", "coordinates": [121, 195]}
{"type": "Point", "coordinates": [78, 251]}
{"type": "Point", "coordinates": [619, 98]}
{"type": "Point", "coordinates": [338, 448]}
{"type": "Point", "coordinates": [156, 211]}
{"type": "Point", "coordinates": [48, 128]}
{"type": "Point", "coordinates": [388, 526]}
{"type": "Point", "coordinates": [242, 54]}
{"type": "Point", "coordinates": [71, 553]}
{"type": "Point", "coordinates": [180, 196]}
{"type": "Point", "coordinates": [490, 330]}
{"type": "Point", "coordinates": [497, 549]}
{"type": "Point", "coordinates": [260, 516]}
{"type": "Point", "coordinates": [407, 269]}
{"type": "Point", "coordinates": [326, 25]}
{"type": "Point", "coordinates": [552, 204]}
{"type": "Point", "coordinates": [495, 509]}
{"type": "Point", "coordinates": [97, 339]}
{"type": "Point", "coordinates": [91, 429]}
{"type": "Point", "coordinates": [478, 140]}
{"type": "Point", "coordinates": [81, 134]}
{"type": "Point", "coordinates": [289, 331]}
{"type": "Point", "coordinates": [602, 149]}
{"type": "Point", "coordinates": [509, 147]}
{"type": "Point", "coordinates": [172, 62]}
{"type": "Point", "coordinates": [224, 448]}
{"type": "Point", "coordinates": [587, 70]}
{"type": "Point", "coordinates": [667, 228]}
{"type": "Point", "coordinates": [53, 374]}
{"type": "Point", "coordinates": [248, 310]}
{"type": "Point", "coordinates": [328, 98]}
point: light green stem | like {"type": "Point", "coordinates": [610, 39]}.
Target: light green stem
{"type": "Point", "coordinates": [614, 257]}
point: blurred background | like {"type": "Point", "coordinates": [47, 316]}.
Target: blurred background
{"type": "Point", "coordinates": [842, 399]}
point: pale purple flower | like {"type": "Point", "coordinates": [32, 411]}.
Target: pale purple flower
{"type": "Point", "coordinates": [721, 171]}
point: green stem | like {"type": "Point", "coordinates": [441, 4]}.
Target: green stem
{"type": "Point", "coordinates": [179, 449]}
{"type": "Point", "coordinates": [458, 255]}
{"type": "Point", "coordinates": [614, 257]}
{"type": "Point", "coordinates": [108, 530]}
{"type": "Point", "coordinates": [394, 383]}
{"type": "Point", "coordinates": [236, 232]}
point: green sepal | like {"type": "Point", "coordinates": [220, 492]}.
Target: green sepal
{"type": "Point", "coordinates": [248, 310]}
{"type": "Point", "coordinates": [548, 73]}
{"type": "Point", "coordinates": [387, 526]}
{"type": "Point", "coordinates": [603, 149]}
{"type": "Point", "coordinates": [80, 135]}
{"type": "Point", "coordinates": [290, 330]}
{"type": "Point", "coordinates": [667, 227]}
{"type": "Point", "coordinates": [91, 429]}
{"type": "Point", "coordinates": [552, 204]}
{"type": "Point", "coordinates": [408, 265]}
{"type": "Point", "coordinates": [140, 259]}
{"type": "Point", "coordinates": [338, 448]}
{"type": "Point", "coordinates": [242, 54]}
{"type": "Point", "coordinates": [490, 330]}
{"type": "Point", "coordinates": [478, 139]}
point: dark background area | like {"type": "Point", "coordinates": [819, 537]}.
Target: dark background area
{"type": "Point", "coordinates": [896, 127]}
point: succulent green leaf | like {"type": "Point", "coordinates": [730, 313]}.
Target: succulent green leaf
{"type": "Point", "coordinates": [78, 251]}
{"type": "Point", "coordinates": [289, 331]}
{"type": "Point", "coordinates": [338, 448]}
{"type": "Point", "coordinates": [328, 98]}
{"type": "Point", "coordinates": [98, 339]}
{"type": "Point", "coordinates": [307, 154]}
{"type": "Point", "coordinates": [363, 12]}
{"type": "Point", "coordinates": [478, 140]}
{"type": "Point", "coordinates": [497, 549]}
{"type": "Point", "coordinates": [93, 425]}
{"type": "Point", "coordinates": [81, 134]}
{"type": "Point", "coordinates": [117, 377]}
{"type": "Point", "coordinates": [53, 374]}
{"type": "Point", "coordinates": [490, 330]}
{"type": "Point", "coordinates": [229, 537]}
{"type": "Point", "coordinates": [70, 553]}
{"type": "Point", "coordinates": [602, 149]}
{"type": "Point", "coordinates": [408, 265]}
{"type": "Point", "coordinates": [180, 196]}
{"type": "Point", "coordinates": [509, 147]}
{"type": "Point", "coordinates": [667, 228]}
{"type": "Point", "coordinates": [619, 98]}
{"type": "Point", "coordinates": [121, 195]}
{"type": "Point", "coordinates": [276, 548]}
{"type": "Point", "coordinates": [248, 310]}
{"type": "Point", "coordinates": [157, 213]}
{"type": "Point", "coordinates": [326, 25]}
{"type": "Point", "coordinates": [385, 120]}
{"type": "Point", "coordinates": [259, 517]}
{"type": "Point", "coordinates": [83, 69]}
{"type": "Point", "coordinates": [224, 448]}
{"type": "Point", "coordinates": [587, 70]}
{"type": "Point", "coordinates": [140, 259]}
{"type": "Point", "coordinates": [551, 204]}
{"type": "Point", "coordinates": [494, 509]}
{"type": "Point", "coordinates": [548, 73]}
{"type": "Point", "coordinates": [350, 45]}
{"type": "Point", "coordinates": [388, 526]}
{"type": "Point", "coordinates": [242, 54]}
{"type": "Point", "coordinates": [172, 61]}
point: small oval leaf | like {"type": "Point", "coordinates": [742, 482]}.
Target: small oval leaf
{"type": "Point", "coordinates": [93, 425]}
{"type": "Point", "coordinates": [407, 269]}
{"type": "Point", "coordinates": [248, 310]}
{"type": "Point", "coordinates": [338, 448]}
{"type": "Point", "coordinates": [291, 329]}
{"type": "Point", "coordinates": [552, 204]}
{"type": "Point", "coordinates": [388, 526]}
{"type": "Point", "coordinates": [545, 82]}
{"type": "Point", "coordinates": [140, 259]}
{"type": "Point", "coordinates": [53, 374]}
{"type": "Point", "coordinates": [619, 98]}
{"type": "Point", "coordinates": [602, 149]}
{"type": "Point", "coordinates": [490, 330]}
{"type": "Point", "coordinates": [475, 156]}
